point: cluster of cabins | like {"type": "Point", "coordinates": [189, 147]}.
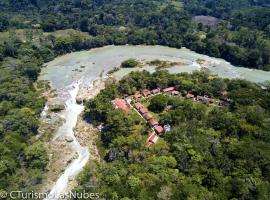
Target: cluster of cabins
{"type": "Point", "coordinates": [158, 129]}
{"type": "Point", "coordinates": [153, 122]}
{"type": "Point", "coordinates": [205, 98]}
{"type": "Point", "coordinates": [124, 105]}
{"type": "Point", "coordinates": [169, 90]}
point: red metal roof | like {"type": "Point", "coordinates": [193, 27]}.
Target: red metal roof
{"type": "Point", "coordinates": [175, 92]}
{"type": "Point", "coordinates": [143, 110]}
{"type": "Point", "coordinates": [211, 100]}
{"type": "Point", "coordinates": [148, 116]}
{"type": "Point", "coordinates": [159, 129]}
{"type": "Point", "coordinates": [168, 89]}
{"type": "Point", "coordinates": [221, 102]}
{"type": "Point", "coordinates": [146, 93]}
{"type": "Point", "coordinates": [138, 105]}
{"type": "Point", "coordinates": [152, 139]}
{"type": "Point", "coordinates": [137, 96]}
{"type": "Point", "coordinates": [153, 122]}
{"type": "Point", "coordinates": [189, 95]}
{"type": "Point", "coordinates": [155, 91]}
{"type": "Point", "coordinates": [200, 98]}
{"type": "Point", "coordinates": [121, 104]}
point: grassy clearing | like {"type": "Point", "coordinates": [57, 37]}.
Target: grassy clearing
{"type": "Point", "coordinates": [178, 5]}
{"type": "Point", "coordinates": [33, 35]}
{"type": "Point", "coordinates": [23, 35]}
{"type": "Point", "coordinates": [66, 32]}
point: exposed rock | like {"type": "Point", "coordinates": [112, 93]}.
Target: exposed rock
{"type": "Point", "coordinates": [56, 107]}
{"type": "Point", "coordinates": [87, 93]}
{"type": "Point", "coordinates": [79, 100]}
{"type": "Point", "coordinates": [69, 139]}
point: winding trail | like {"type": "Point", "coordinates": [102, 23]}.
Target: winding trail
{"type": "Point", "coordinates": [66, 130]}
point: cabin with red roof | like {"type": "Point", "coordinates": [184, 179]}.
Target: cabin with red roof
{"type": "Point", "coordinates": [147, 116]}
{"type": "Point", "coordinates": [190, 96]}
{"type": "Point", "coordinates": [169, 89]}
{"type": "Point", "coordinates": [221, 103]}
{"type": "Point", "coordinates": [147, 93]}
{"type": "Point", "coordinates": [159, 129]}
{"type": "Point", "coordinates": [155, 91]}
{"type": "Point", "coordinates": [138, 106]}
{"type": "Point", "coordinates": [143, 111]}
{"type": "Point", "coordinates": [138, 96]}
{"type": "Point", "coordinates": [153, 122]}
{"type": "Point", "coordinates": [211, 100]}
{"type": "Point", "coordinates": [152, 139]}
{"type": "Point", "coordinates": [120, 104]}
{"type": "Point", "coordinates": [200, 98]}
{"type": "Point", "coordinates": [175, 93]}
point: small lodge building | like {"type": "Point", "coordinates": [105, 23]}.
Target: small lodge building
{"type": "Point", "coordinates": [143, 111]}
{"type": "Point", "coordinates": [159, 129]}
{"type": "Point", "coordinates": [138, 96]}
{"type": "Point", "coordinates": [120, 104]}
{"type": "Point", "coordinates": [138, 106]}
{"type": "Point", "coordinates": [155, 91]}
{"type": "Point", "coordinates": [221, 103]}
{"type": "Point", "coordinates": [175, 93]}
{"type": "Point", "coordinates": [169, 89]}
{"type": "Point", "coordinates": [200, 98]}
{"type": "Point", "coordinates": [153, 122]}
{"type": "Point", "coordinates": [190, 96]}
{"type": "Point", "coordinates": [148, 116]}
{"type": "Point", "coordinates": [146, 94]}
{"type": "Point", "coordinates": [211, 100]}
{"type": "Point", "coordinates": [152, 139]}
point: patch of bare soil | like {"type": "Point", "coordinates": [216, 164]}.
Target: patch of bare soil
{"type": "Point", "coordinates": [61, 155]}
{"type": "Point", "coordinates": [87, 135]}
{"type": "Point", "coordinates": [206, 20]}
{"type": "Point", "coordinates": [87, 93]}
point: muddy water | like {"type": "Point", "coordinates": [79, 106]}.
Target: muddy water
{"type": "Point", "coordinates": [71, 67]}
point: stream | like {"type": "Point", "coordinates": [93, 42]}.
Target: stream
{"type": "Point", "coordinates": [79, 69]}
{"type": "Point", "coordinates": [71, 114]}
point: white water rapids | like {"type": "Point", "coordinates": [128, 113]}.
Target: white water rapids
{"type": "Point", "coordinates": [66, 130]}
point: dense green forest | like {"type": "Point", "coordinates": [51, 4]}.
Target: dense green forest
{"type": "Point", "coordinates": [33, 32]}
{"type": "Point", "coordinates": [242, 36]}
{"type": "Point", "coordinates": [210, 153]}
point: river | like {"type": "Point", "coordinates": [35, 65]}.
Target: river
{"type": "Point", "coordinates": [79, 69]}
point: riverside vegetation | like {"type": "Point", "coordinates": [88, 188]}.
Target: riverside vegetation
{"type": "Point", "coordinates": [34, 32]}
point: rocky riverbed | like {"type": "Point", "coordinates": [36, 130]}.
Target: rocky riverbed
{"type": "Point", "coordinates": [61, 153]}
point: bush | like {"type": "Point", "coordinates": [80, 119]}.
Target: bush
{"type": "Point", "coordinates": [130, 63]}
{"type": "Point", "coordinates": [158, 103]}
{"type": "Point", "coordinates": [36, 156]}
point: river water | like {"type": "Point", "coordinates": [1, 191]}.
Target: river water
{"type": "Point", "coordinates": [67, 73]}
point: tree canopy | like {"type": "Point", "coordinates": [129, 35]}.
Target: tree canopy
{"type": "Point", "coordinates": [212, 152]}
